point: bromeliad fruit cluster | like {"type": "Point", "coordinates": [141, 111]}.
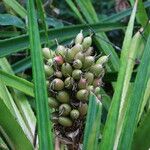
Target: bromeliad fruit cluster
{"type": "Point", "coordinates": [72, 73]}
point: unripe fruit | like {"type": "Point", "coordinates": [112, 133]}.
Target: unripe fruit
{"type": "Point", "coordinates": [76, 74]}
{"type": "Point", "coordinates": [64, 109]}
{"type": "Point", "coordinates": [86, 42]}
{"type": "Point", "coordinates": [76, 48]}
{"type": "Point", "coordinates": [60, 50]}
{"type": "Point", "coordinates": [80, 56]}
{"type": "Point", "coordinates": [66, 69]}
{"type": "Point", "coordinates": [77, 64]}
{"type": "Point", "coordinates": [59, 60]}
{"type": "Point", "coordinates": [58, 74]}
{"type": "Point", "coordinates": [96, 69]}
{"type": "Point", "coordinates": [74, 114]}
{"type": "Point", "coordinates": [89, 76]}
{"type": "Point", "coordinates": [90, 88]}
{"type": "Point", "coordinates": [83, 109]}
{"type": "Point", "coordinates": [79, 38]}
{"type": "Point", "coordinates": [63, 97]}
{"type": "Point", "coordinates": [48, 70]}
{"type": "Point", "coordinates": [69, 56]}
{"type": "Point", "coordinates": [102, 60]}
{"type": "Point", "coordinates": [89, 51]}
{"type": "Point", "coordinates": [46, 53]}
{"type": "Point", "coordinates": [82, 95]}
{"type": "Point", "coordinates": [82, 83]}
{"type": "Point", "coordinates": [52, 102]}
{"type": "Point", "coordinates": [97, 90]}
{"type": "Point", "coordinates": [57, 84]}
{"type": "Point", "coordinates": [97, 82]}
{"type": "Point", "coordinates": [88, 62]}
{"type": "Point", "coordinates": [49, 62]}
{"type": "Point", "coordinates": [64, 121]}
{"type": "Point", "coordinates": [69, 82]}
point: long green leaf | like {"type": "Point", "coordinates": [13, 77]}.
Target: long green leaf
{"type": "Point", "coordinates": [142, 16]}
{"type": "Point", "coordinates": [7, 19]}
{"type": "Point", "coordinates": [126, 89]}
{"type": "Point", "coordinates": [92, 127]}
{"type": "Point", "coordinates": [76, 11]}
{"type": "Point", "coordinates": [16, 7]}
{"type": "Point", "coordinates": [22, 65]}
{"type": "Point", "coordinates": [44, 126]}
{"type": "Point", "coordinates": [17, 83]}
{"type": "Point", "coordinates": [142, 133]}
{"type": "Point", "coordinates": [124, 13]}
{"type": "Point", "coordinates": [135, 103]}
{"type": "Point", "coordinates": [22, 42]}
{"type": "Point", "coordinates": [19, 98]}
{"type": "Point", "coordinates": [112, 118]}
{"type": "Point", "coordinates": [12, 128]}
{"type": "Point", "coordinates": [42, 15]}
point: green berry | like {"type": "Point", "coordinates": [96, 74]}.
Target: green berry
{"type": "Point", "coordinates": [46, 53]}
{"type": "Point", "coordinates": [79, 38]}
{"type": "Point", "coordinates": [64, 121]}
{"type": "Point", "coordinates": [63, 97]}
{"type": "Point", "coordinates": [66, 69]}
{"type": "Point", "coordinates": [77, 64]}
{"type": "Point", "coordinates": [82, 84]}
{"type": "Point", "coordinates": [60, 50]}
{"type": "Point", "coordinates": [76, 74]}
{"type": "Point", "coordinates": [69, 83]}
{"type": "Point", "coordinates": [82, 95]}
{"type": "Point", "coordinates": [57, 84]}
{"type": "Point", "coordinates": [74, 114]}
{"type": "Point", "coordinates": [49, 71]}
{"type": "Point", "coordinates": [97, 70]}
{"type": "Point", "coordinates": [83, 109]}
{"type": "Point", "coordinates": [102, 60]}
{"type": "Point", "coordinates": [52, 102]}
{"type": "Point", "coordinates": [88, 62]}
{"type": "Point", "coordinates": [86, 42]}
{"type": "Point", "coordinates": [64, 109]}
{"type": "Point", "coordinates": [89, 76]}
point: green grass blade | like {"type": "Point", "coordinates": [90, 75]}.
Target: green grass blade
{"type": "Point", "coordinates": [145, 100]}
{"type": "Point", "coordinates": [9, 102]}
{"type": "Point", "coordinates": [92, 127]}
{"type": "Point", "coordinates": [136, 99]}
{"type": "Point", "coordinates": [22, 42]}
{"type": "Point", "coordinates": [22, 65]}
{"type": "Point", "coordinates": [17, 83]}
{"type": "Point", "coordinates": [142, 133]}
{"type": "Point", "coordinates": [44, 126]}
{"type": "Point", "coordinates": [142, 16]}
{"type": "Point", "coordinates": [112, 118]}
{"type": "Point", "coordinates": [9, 34]}
{"type": "Point", "coordinates": [16, 7]}
{"type": "Point", "coordinates": [13, 129]}
{"type": "Point", "coordinates": [19, 98]}
{"type": "Point", "coordinates": [7, 19]}
{"type": "Point", "coordinates": [3, 145]}
{"type": "Point", "coordinates": [43, 19]}
{"type": "Point", "coordinates": [131, 54]}
{"type": "Point", "coordinates": [120, 15]}
{"type": "Point", "coordinates": [76, 11]}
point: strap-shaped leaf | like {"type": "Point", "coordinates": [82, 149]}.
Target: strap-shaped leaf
{"type": "Point", "coordinates": [44, 126]}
